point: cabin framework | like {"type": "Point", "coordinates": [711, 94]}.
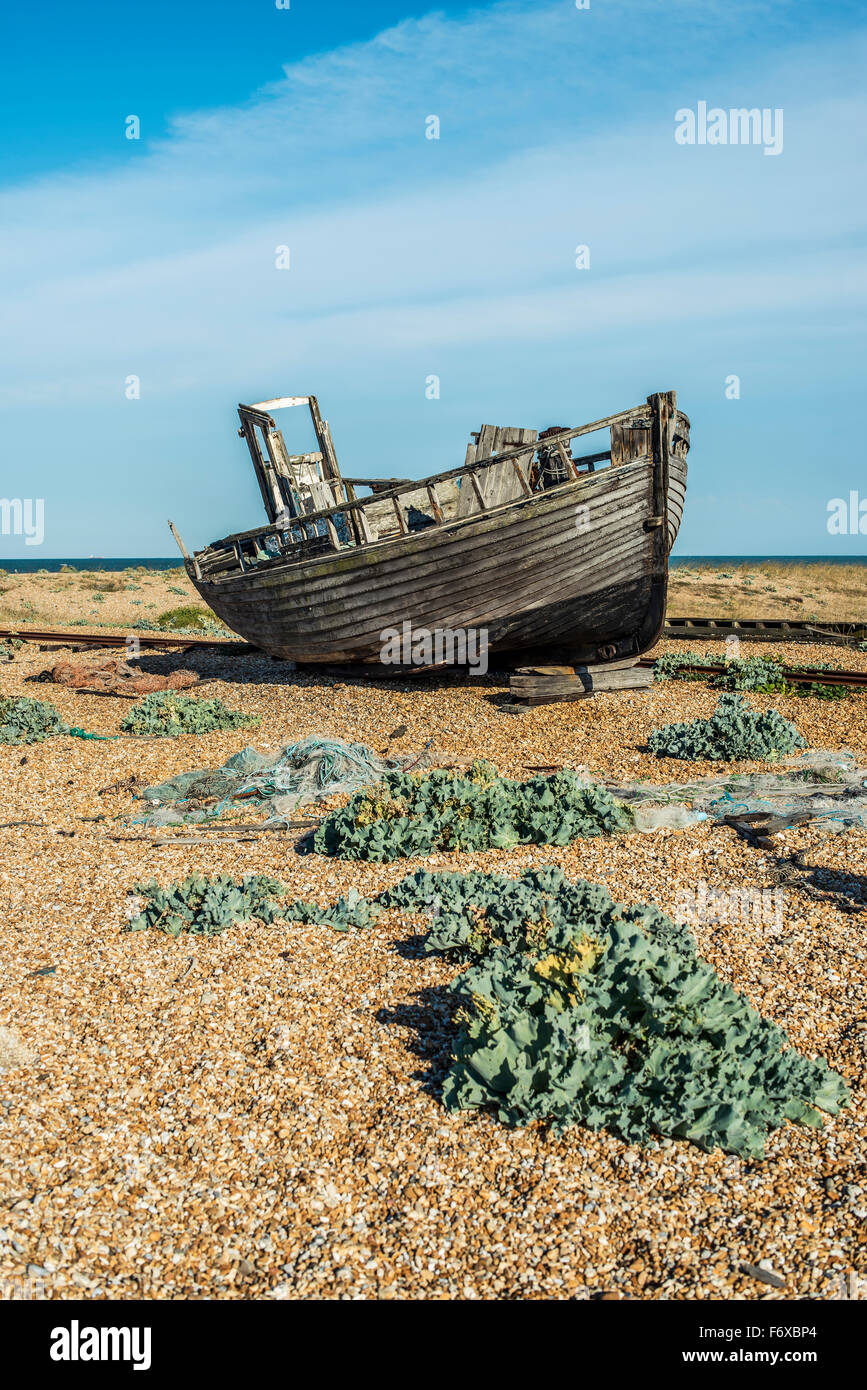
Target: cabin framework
{"type": "Point", "coordinates": [555, 553]}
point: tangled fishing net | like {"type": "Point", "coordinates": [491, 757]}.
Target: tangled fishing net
{"type": "Point", "coordinates": [829, 785]}
{"type": "Point", "coordinates": [116, 677]}
{"type": "Point", "coordinates": [310, 770]}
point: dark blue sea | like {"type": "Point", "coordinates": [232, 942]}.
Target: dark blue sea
{"type": "Point", "coordinates": [162, 562]}
{"type": "Point", "coordinates": [91, 563]}
{"type": "Point", "coordinates": [715, 561]}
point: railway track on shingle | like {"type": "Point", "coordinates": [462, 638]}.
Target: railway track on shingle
{"type": "Point", "coordinates": [766, 630]}
{"type": "Point", "coordinates": [695, 629]}
{"type": "Point", "coordinates": [792, 675]}
{"type": "Point", "coordinates": [159, 641]}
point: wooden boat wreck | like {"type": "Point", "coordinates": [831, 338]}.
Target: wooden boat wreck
{"type": "Point", "coordinates": [552, 556]}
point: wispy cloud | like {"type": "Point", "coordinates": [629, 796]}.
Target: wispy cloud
{"type": "Point", "coordinates": [557, 129]}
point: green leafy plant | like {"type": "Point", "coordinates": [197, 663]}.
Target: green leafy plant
{"type": "Point", "coordinates": [758, 673]}
{"type": "Point", "coordinates": [23, 720]}
{"type": "Point", "coordinates": [353, 910]}
{"type": "Point", "coordinates": [414, 814]}
{"type": "Point", "coordinates": [578, 1010]}
{"type": "Point", "coordinates": [817, 691]}
{"type": "Point", "coordinates": [167, 714]}
{"type": "Point", "coordinates": [750, 673]}
{"type": "Point", "coordinates": [104, 583]}
{"type": "Point", "coordinates": [190, 617]}
{"type": "Point", "coordinates": [9, 648]}
{"type": "Point", "coordinates": [207, 906]}
{"type": "Point", "coordinates": [733, 732]}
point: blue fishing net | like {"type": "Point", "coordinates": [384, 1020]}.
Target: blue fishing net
{"type": "Point", "coordinates": [299, 773]}
{"type": "Point", "coordinates": [829, 785]}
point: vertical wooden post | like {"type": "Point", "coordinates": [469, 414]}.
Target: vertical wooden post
{"type": "Point", "coordinates": [525, 486]}
{"type": "Point", "coordinates": [435, 504]}
{"type": "Point", "coordinates": [364, 526]}
{"type": "Point", "coordinates": [266, 474]}
{"type": "Point", "coordinates": [354, 516]}
{"type": "Point", "coordinates": [567, 462]}
{"type": "Point", "coordinates": [474, 483]}
{"type": "Point", "coordinates": [330, 466]}
{"type": "Point", "coordinates": [628, 444]}
{"type": "Point", "coordinates": [663, 408]}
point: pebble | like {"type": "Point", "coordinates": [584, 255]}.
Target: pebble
{"type": "Point", "coordinates": [13, 1052]}
{"type": "Point", "coordinates": [270, 1124]}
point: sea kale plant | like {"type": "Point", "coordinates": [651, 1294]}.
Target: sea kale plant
{"type": "Point", "coordinates": [577, 1010]}
{"type": "Point", "coordinates": [166, 713]}
{"type": "Point", "coordinates": [409, 814]}
{"type": "Point", "coordinates": [750, 673]}
{"type": "Point", "coordinates": [23, 720]}
{"type": "Point", "coordinates": [207, 906]}
{"type": "Point", "coordinates": [733, 732]}
{"type": "Point", "coordinates": [353, 910]}
{"type": "Point", "coordinates": [759, 673]}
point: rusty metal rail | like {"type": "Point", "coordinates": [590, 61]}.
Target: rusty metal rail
{"type": "Point", "coordinates": [809, 676]}
{"type": "Point", "coordinates": [696, 629]}
{"type": "Point", "coordinates": [79, 637]}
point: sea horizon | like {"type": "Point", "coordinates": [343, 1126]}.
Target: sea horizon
{"type": "Point", "coordinates": [85, 563]}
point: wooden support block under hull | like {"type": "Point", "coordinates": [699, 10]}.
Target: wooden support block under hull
{"type": "Point", "coordinates": [543, 685]}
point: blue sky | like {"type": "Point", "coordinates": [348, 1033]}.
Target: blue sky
{"type": "Point", "coordinates": [411, 257]}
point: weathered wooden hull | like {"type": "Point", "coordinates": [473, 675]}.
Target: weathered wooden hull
{"type": "Point", "coordinates": [574, 573]}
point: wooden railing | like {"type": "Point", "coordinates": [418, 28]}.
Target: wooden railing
{"type": "Point", "coordinates": [353, 509]}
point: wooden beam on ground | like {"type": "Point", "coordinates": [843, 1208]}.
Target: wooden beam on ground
{"type": "Point", "coordinates": [544, 685]}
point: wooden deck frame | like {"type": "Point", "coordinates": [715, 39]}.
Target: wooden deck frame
{"type": "Point", "coordinates": [654, 421]}
{"type": "Point", "coordinates": [518, 569]}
